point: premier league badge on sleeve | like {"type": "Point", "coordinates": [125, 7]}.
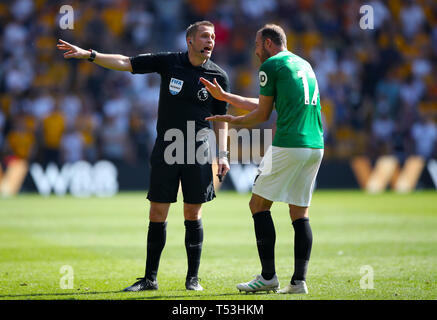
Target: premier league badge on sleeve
{"type": "Point", "coordinates": [175, 86]}
{"type": "Point", "coordinates": [202, 94]}
{"type": "Point", "coordinates": [262, 78]}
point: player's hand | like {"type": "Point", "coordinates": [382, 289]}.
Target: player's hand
{"type": "Point", "coordinates": [223, 118]}
{"type": "Point", "coordinates": [214, 89]}
{"type": "Point", "coordinates": [72, 51]}
{"type": "Point", "coordinates": [223, 168]}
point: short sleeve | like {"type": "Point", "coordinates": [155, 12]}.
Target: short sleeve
{"type": "Point", "coordinates": [267, 79]}
{"type": "Point", "coordinates": [148, 62]}
{"type": "Point", "coordinates": [221, 107]}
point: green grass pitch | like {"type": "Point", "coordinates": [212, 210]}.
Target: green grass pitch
{"type": "Point", "coordinates": [104, 241]}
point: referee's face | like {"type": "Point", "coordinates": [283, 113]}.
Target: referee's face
{"type": "Point", "coordinates": [203, 41]}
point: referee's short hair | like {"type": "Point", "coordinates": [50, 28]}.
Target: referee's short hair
{"type": "Point", "coordinates": [274, 33]}
{"type": "Point", "coordinates": [192, 28]}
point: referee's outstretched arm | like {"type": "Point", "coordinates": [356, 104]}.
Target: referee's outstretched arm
{"type": "Point", "coordinates": [109, 61]}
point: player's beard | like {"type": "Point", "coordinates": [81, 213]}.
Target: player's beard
{"type": "Point", "coordinates": [264, 54]}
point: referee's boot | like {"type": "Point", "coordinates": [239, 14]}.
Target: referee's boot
{"type": "Point", "coordinates": [142, 284]}
{"type": "Point", "coordinates": [192, 283]}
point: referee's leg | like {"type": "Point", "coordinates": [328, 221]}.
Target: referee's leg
{"type": "Point", "coordinates": [158, 211]}
{"type": "Point", "coordinates": [193, 243]}
{"type": "Point", "coordinates": [197, 188]}
{"type": "Point", "coordinates": [156, 237]}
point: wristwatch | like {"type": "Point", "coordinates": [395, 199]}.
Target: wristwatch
{"type": "Point", "coordinates": [92, 55]}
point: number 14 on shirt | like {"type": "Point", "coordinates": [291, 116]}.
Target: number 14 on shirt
{"type": "Point", "coordinates": [303, 74]}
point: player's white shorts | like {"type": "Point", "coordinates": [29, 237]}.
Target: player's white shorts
{"type": "Point", "coordinates": [288, 175]}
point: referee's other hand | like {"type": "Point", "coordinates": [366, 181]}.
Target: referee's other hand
{"type": "Point", "coordinates": [223, 168]}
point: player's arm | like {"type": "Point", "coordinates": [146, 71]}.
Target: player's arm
{"type": "Point", "coordinates": [218, 93]}
{"type": "Point", "coordinates": [109, 61]}
{"type": "Point", "coordinates": [260, 114]}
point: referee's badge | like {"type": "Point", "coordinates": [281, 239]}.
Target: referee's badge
{"type": "Point", "coordinates": [202, 94]}
{"type": "Point", "coordinates": [262, 78]}
{"type": "Point", "coordinates": [175, 86]}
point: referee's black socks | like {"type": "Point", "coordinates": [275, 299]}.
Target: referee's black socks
{"type": "Point", "coordinates": [156, 237]}
{"type": "Point", "coordinates": [303, 240]}
{"type": "Point", "coordinates": [193, 245]}
{"type": "Point", "coordinates": [265, 241]}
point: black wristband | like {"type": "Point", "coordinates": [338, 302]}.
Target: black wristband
{"type": "Point", "coordinates": [92, 56]}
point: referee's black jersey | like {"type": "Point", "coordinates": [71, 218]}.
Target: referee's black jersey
{"type": "Point", "coordinates": [182, 96]}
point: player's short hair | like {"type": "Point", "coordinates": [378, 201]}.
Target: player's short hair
{"type": "Point", "coordinates": [274, 33]}
{"type": "Point", "coordinates": [192, 28]}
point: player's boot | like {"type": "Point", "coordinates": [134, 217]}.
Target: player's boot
{"type": "Point", "coordinates": [142, 284]}
{"type": "Point", "coordinates": [192, 283]}
{"type": "Point", "coordinates": [299, 287]}
{"type": "Point", "coordinates": [259, 284]}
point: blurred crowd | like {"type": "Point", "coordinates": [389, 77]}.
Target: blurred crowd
{"type": "Point", "coordinates": [378, 86]}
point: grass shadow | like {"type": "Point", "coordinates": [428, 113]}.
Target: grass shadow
{"type": "Point", "coordinates": [155, 297]}
{"type": "Point", "coordinates": [55, 294]}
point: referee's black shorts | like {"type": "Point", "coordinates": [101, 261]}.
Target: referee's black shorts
{"type": "Point", "coordinates": [196, 181]}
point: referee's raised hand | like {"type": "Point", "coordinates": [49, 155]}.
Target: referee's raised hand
{"type": "Point", "coordinates": [72, 51]}
{"type": "Point", "coordinates": [108, 61]}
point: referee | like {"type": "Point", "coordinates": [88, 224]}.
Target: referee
{"type": "Point", "coordinates": [184, 103]}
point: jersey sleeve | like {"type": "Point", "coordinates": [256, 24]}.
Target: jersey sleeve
{"type": "Point", "coordinates": [149, 62]}
{"type": "Point", "coordinates": [221, 107]}
{"type": "Point", "coordinates": [267, 81]}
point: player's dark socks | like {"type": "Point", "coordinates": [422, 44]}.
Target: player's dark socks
{"type": "Point", "coordinates": [156, 237]}
{"type": "Point", "coordinates": [265, 241]}
{"type": "Point", "coordinates": [303, 240]}
{"type": "Point", "coordinates": [193, 245]}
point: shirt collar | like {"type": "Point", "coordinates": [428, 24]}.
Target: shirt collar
{"type": "Point", "coordinates": [186, 60]}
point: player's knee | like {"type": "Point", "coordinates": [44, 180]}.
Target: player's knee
{"type": "Point", "coordinates": [256, 206]}
{"type": "Point", "coordinates": [297, 212]}
{"type": "Point", "coordinates": [252, 205]}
